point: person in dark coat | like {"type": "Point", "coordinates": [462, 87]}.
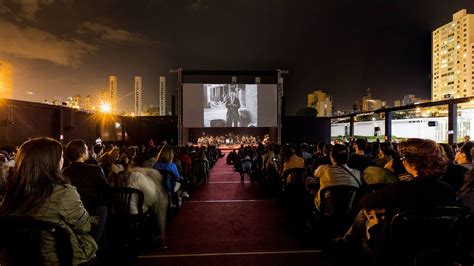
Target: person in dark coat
{"type": "Point", "coordinates": [232, 103]}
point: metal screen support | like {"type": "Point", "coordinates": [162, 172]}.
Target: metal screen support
{"type": "Point", "coordinates": [179, 104]}
{"type": "Point", "coordinates": [351, 126]}
{"type": "Point", "coordinates": [279, 103]}
{"type": "Point", "coordinates": [388, 126]}
{"type": "Point", "coordinates": [452, 123]}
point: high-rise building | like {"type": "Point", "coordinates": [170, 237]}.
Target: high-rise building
{"type": "Point", "coordinates": [113, 93]}
{"type": "Point", "coordinates": [452, 64]}
{"type": "Point", "coordinates": [102, 96]}
{"type": "Point", "coordinates": [321, 101]}
{"type": "Point", "coordinates": [138, 96]}
{"type": "Point", "coordinates": [76, 101]}
{"type": "Point", "coordinates": [162, 95]}
{"type": "Point", "coordinates": [6, 80]}
{"type": "Point", "coordinates": [88, 103]}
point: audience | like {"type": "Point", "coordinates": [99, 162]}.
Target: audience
{"type": "Point", "coordinates": [419, 174]}
{"type": "Point", "coordinates": [165, 162]}
{"type": "Point", "coordinates": [336, 174]}
{"type": "Point", "coordinates": [90, 182]}
{"type": "Point", "coordinates": [424, 162]}
{"type": "Point", "coordinates": [457, 167]}
{"type": "Point", "coordinates": [37, 188]}
{"type": "Point", "coordinates": [291, 158]}
{"type": "Point", "coordinates": [384, 154]}
{"type": "Point", "coordinates": [360, 160]}
{"type": "Point", "coordinates": [378, 175]}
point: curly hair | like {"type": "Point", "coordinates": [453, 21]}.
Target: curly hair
{"type": "Point", "coordinates": [425, 156]}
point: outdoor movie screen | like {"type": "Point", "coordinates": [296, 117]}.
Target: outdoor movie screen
{"type": "Point", "coordinates": [229, 105]}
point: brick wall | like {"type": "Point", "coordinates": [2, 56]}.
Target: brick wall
{"type": "Point", "coordinates": [251, 103]}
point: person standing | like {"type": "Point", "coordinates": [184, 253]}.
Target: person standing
{"type": "Point", "coordinates": [232, 104]}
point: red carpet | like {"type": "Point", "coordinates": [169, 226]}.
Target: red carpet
{"type": "Point", "coordinates": [228, 191]}
{"type": "Point", "coordinates": [229, 223]}
{"type": "Point", "coordinates": [308, 259]}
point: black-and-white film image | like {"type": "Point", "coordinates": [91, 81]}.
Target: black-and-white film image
{"type": "Point", "coordinates": [230, 105]}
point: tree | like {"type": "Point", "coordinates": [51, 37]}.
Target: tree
{"type": "Point", "coordinates": [307, 111]}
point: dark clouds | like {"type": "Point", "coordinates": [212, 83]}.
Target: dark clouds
{"type": "Point", "coordinates": [64, 47]}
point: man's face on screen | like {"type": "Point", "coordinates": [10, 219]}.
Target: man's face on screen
{"type": "Point", "coordinates": [232, 94]}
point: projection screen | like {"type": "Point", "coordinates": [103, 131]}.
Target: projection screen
{"type": "Point", "coordinates": [229, 105]}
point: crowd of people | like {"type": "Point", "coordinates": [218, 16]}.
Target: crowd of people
{"type": "Point", "coordinates": [230, 138]}
{"type": "Point", "coordinates": [413, 175]}
{"type": "Point", "coordinates": [71, 185]}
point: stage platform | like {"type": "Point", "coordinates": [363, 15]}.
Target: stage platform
{"type": "Point", "coordinates": [226, 147]}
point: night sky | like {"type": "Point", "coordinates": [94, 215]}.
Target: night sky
{"type": "Point", "coordinates": [64, 47]}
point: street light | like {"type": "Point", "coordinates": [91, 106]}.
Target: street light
{"type": "Point", "coordinates": [105, 108]}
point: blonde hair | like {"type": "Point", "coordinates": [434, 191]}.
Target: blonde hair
{"type": "Point", "coordinates": [166, 154]}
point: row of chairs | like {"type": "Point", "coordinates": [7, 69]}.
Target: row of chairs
{"type": "Point", "coordinates": [442, 232]}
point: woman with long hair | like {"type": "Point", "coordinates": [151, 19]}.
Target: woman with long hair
{"type": "Point", "coordinates": [38, 189]}
{"type": "Point", "coordinates": [165, 162]}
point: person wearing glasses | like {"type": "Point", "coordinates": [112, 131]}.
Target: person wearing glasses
{"type": "Point", "coordinates": [423, 160]}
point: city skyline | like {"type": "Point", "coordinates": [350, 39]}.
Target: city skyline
{"type": "Point", "coordinates": [344, 46]}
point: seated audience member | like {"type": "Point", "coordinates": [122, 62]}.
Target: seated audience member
{"type": "Point", "coordinates": [161, 207]}
{"type": "Point", "coordinates": [97, 151]}
{"type": "Point", "coordinates": [467, 139]}
{"type": "Point", "coordinates": [465, 195]}
{"type": "Point", "coordinates": [231, 157]}
{"type": "Point", "coordinates": [454, 175]}
{"type": "Point", "coordinates": [155, 198]}
{"type": "Point", "coordinates": [246, 167]}
{"type": "Point", "coordinates": [463, 156]}
{"type": "Point", "coordinates": [9, 152]}
{"type": "Point", "coordinates": [201, 167]}
{"type": "Point", "coordinates": [359, 160]}
{"type": "Point", "coordinates": [396, 166]}
{"type": "Point", "coordinates": [324, 157]}
{"type": "Point", "coordinates": [424, 162]}
{"type": "Point", "coordinates": [184, 157]}
{"type": "Point", "coordinates": [165, 162]}
{"type": "Point", "coordinates": [90, 182]}
{"type": "Point", "coordinates": [338, 173]}
{"type": "Point", "coordinates": [38, 189]}
{"type": "Point", "coordinates": [151, 157]}
{"type": "Point", "coordinates": [4, 173]}
{"type": "Point", "coordinates": [378, 175]}
{"type": "Point", "coordinates": [269, 158]}
{"type": "Point", "coordinates": [306, 155]}
{"type": "Point", "coordinates": [318, 153]}
{"type": "Point", "coordinates": [384, 155]}
{"type": "Point", "coordinates": [109, 162]}
{"type": "Point", "coordinates": [292, 158]}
